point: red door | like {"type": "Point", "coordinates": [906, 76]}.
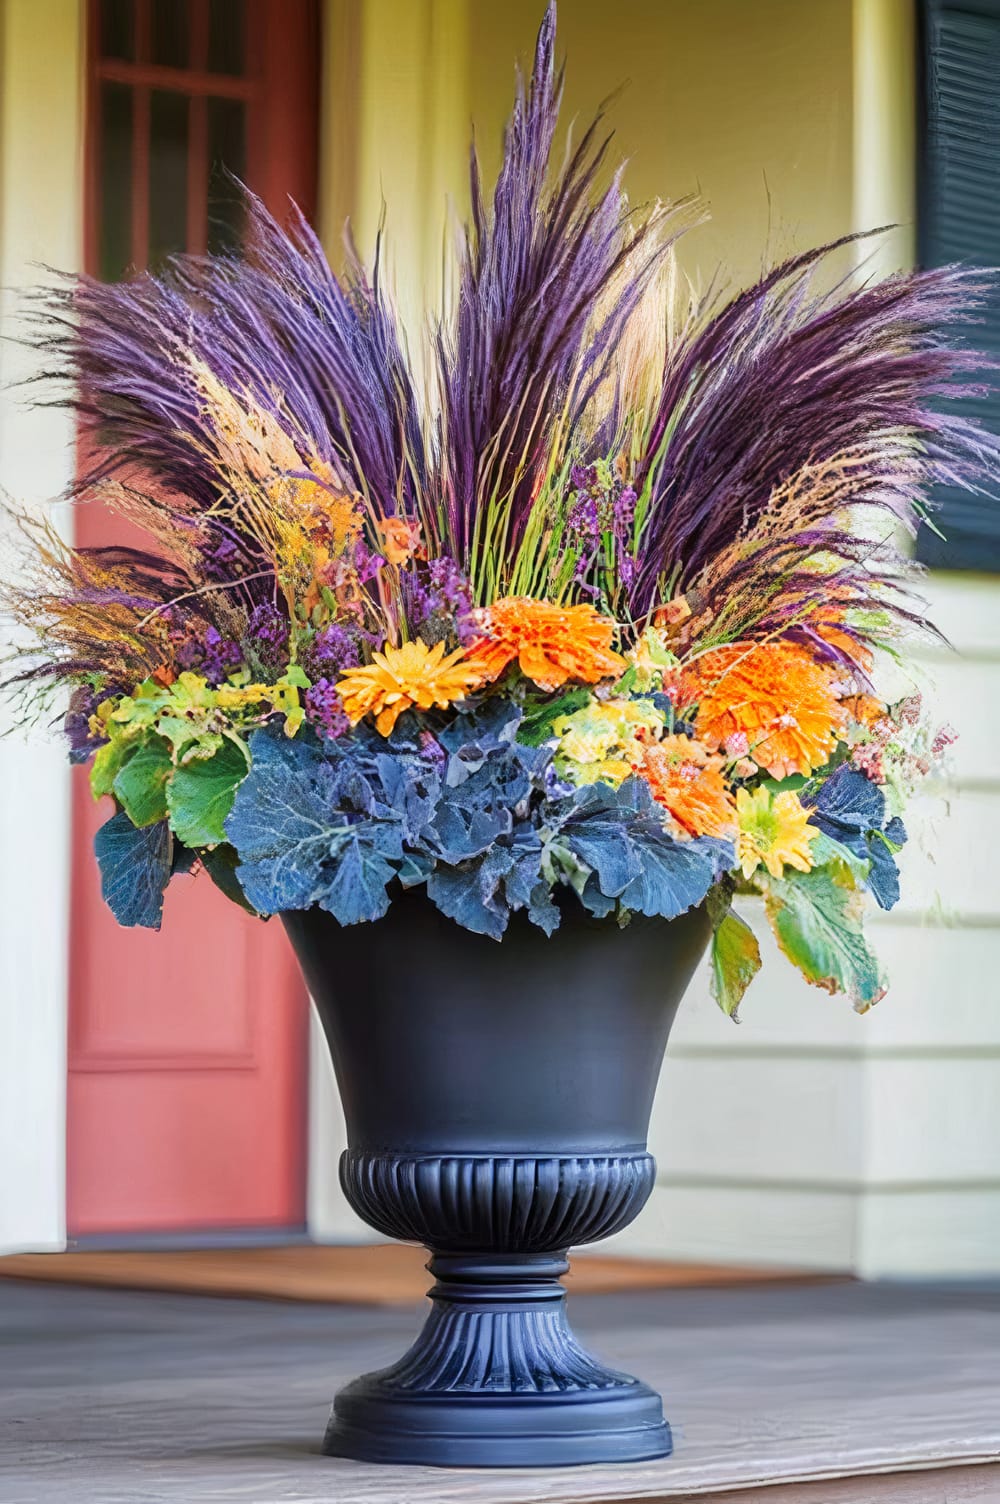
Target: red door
{"type": "Point", "coordinates": [187, 1049]}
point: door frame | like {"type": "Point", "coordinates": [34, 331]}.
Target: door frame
{"type": "Point", "coordinates": [282, 91]}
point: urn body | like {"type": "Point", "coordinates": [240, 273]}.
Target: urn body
{"type": "Point", "coordinates": [497, 1100]}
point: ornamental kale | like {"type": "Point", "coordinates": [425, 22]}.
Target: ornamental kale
{"type": "Point", "coordinates": [490, 832]}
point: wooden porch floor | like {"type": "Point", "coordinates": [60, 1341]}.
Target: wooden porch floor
{"type": "Point", "coordinates": [791, 1394]}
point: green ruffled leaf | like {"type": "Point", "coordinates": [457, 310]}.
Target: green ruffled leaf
{"type": "Point", "coordinates": [817, 923]}
{"type": "Point", "coordinates": [201, 792]}
{"type": "Point", "coordinates": [849, 869]}
{"type": "Point", "coordinates": [141, 785]}
{"type": "Point", "coordinates": [735, 961]}
{"type": "Point", "coordinates": [536, 725]}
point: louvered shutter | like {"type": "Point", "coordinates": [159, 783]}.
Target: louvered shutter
{"type": "Point", "coordinates": [959, 220]}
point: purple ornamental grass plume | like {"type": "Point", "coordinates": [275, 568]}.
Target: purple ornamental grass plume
{"type": "Point", "coordinates": [324, 356]}
{"type": "Point", "coordinates": [788, 422]}
{"type": "Point", "coordinates": [782, 378]}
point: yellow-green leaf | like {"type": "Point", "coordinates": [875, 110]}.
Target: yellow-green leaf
{"type": "Point", "coordinates": [817, 923]}
{"type": "Point", "coordinates": [735, 961]}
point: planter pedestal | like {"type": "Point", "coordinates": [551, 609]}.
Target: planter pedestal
{"type": "Point", "coordinates": [497, 1100]}
{"type": "Point", "coordinates": [497, 1378]}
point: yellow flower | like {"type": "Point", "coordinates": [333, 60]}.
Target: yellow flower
{"type": "Point", "coordinates": [399, 678]}
{"type": "Point", "coordinates": [774, 832]}
{"type": "Point", "coordinates": [236, 697]}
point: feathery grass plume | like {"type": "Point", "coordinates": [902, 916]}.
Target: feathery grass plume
{"type": "Point", "coordinates": [525, 352]}
{"type": "Point", "coordinates": [803, 571]}
{"type": "Point", "coordinates": [780, 383]}
{"type": "Point", "coordinates": [90, 615]}
{"type": "Point", "coordinates": [323, 358]}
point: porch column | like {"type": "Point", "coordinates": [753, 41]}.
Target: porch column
{"type": "Point", "coordinates": [41, 154]}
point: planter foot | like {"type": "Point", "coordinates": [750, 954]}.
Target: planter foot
{"type": "Point", "coordinates": [497, 1379]}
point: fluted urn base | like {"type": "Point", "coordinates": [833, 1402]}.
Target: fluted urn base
{"type": "Point", "coordinates": [497, 1379]}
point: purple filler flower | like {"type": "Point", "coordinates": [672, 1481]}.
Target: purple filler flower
{"type": "Point", "coordinates": [267, 637]}
{"type": "Point", "coordinates": [333, 649]}
{"type": "Point", "coordinates": [210, 654]}
{"type": "Point", "coordinates": [324, 709]}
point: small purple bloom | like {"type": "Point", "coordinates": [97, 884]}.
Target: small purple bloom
{"type": "Point", "coordinates": [325, 710]}
{"type": "Point", "coordinates": [268, 637]}
{"type": "Point", "coordinates": [332, 649]}
{"type": "Point", "coordinates": [213, 656]}
{"type": "Point", "coordinates": [438, 597]}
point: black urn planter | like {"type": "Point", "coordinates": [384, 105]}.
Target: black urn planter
{"type": "Point", "coordinates": [497, 1099]}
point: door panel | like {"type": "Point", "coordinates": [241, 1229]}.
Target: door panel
{"type": "Point", "coordinates": [186, 1084]}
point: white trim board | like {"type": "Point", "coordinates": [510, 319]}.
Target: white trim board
{"type": "Point", "coordinates": [41, 133]}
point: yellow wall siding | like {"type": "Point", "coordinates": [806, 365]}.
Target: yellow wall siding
{"type": "Point", "coordinates": [749, 105]}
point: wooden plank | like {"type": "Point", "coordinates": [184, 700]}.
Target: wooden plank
{"type": "Point", "coordinates": [933, 1486]}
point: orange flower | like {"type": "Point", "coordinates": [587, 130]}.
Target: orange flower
{"type": "Point", "coordinates": [399, 678]}
{"type": "Point", "coordinates": [550, 643]}
{"type": "Point", "coordinates": [687, 780]}
{"type": "Point", "coordinates": [777, 695]}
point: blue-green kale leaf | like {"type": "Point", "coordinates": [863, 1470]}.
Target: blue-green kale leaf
{"type": "Point", "coordinates": [850, 809]}
{"type": "Point", "coordinates": [135, 865]}
{"type": "Point", "coordinates": [327, 825]}
{"type": "Point", "coordinates": [479, 817]}
{"type": "Point", "coordinates": [617, 838]}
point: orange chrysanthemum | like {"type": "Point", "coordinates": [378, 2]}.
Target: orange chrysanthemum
{"type": "Point", "coordinates": [777, 695]}
{"type": "Point", "coordinates": [399, 678]}
{"type": "Point", "coordinates": [551, 644]}
{"type": "Point", "coordinates": [687, 780]}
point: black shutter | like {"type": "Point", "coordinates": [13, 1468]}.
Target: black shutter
{"type": "Point", "coordinates": [959, 220]}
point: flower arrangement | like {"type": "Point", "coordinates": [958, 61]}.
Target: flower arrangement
{"type": "Point", "coordinates": [592, 614]}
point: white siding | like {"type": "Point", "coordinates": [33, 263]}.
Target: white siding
{"type": "Point", "coordinates": [931, 1201]}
